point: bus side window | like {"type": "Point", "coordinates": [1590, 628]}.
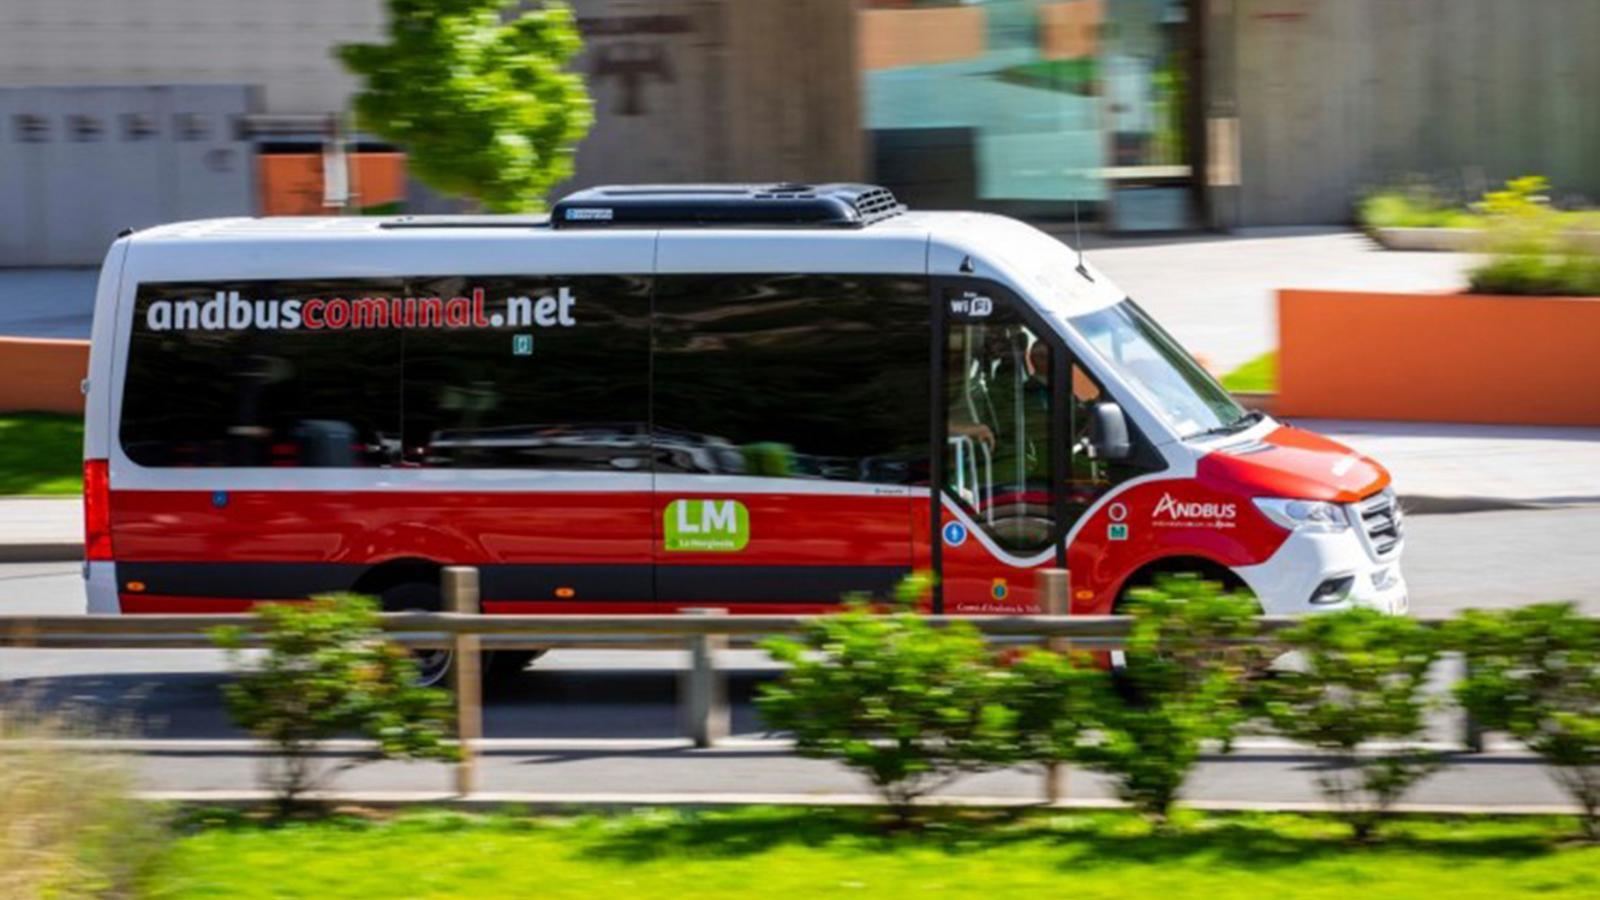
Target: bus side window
{"type": "Point", "coordinates": [816, 377]}
{"type": "Point", "coordinates": [1088, 478]}
{"type": "Point", "coordinates": [569, 396]}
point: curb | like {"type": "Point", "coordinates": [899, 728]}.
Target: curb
{"type": "Point", "coordinates": [41, 551]}
{"type": "Point", "coordinates": [1425, 505]}
{"type": "Point", "coordinates": [600, 802]}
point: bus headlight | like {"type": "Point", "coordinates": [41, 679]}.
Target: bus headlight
{"type": "Point", "coordinates": [1304, 515]}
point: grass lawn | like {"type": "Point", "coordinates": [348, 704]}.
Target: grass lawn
{"type": "Point", "coordinates": [40, 453]}
{"type": "Point", "coordinates": [797, 853]}
{"type": "Point", "coordinates": [1258, 376]}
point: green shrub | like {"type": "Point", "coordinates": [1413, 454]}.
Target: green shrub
{"type": "Point", "coordinates": [1181, 690]}
{"type": "Point", "coordinates": [1053, 700]}
{"type": "Point", "coordinates": [1359, 677]}
{"type": "Point", "coordinates": [1533, 248]}
{"type": "Point", "coordinates": [1534, 672]}
{"type": "Point", "coordinates": [1412, 205]}
{"type": "Point", "coordinates": [327, 672]}
{"type": "Point", "coordinates": [909, 705]}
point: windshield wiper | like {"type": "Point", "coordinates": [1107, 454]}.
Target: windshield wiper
{"type": "Point", "coordinates": [1237, 425]}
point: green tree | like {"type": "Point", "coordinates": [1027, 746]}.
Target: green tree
{"type": "Point", "coordinates": [477, 93]}
{"type": "Point", "coordinates": [327, 672]}
{"type": "Point", "coordinates": [1534, 672]}
{"type": "Point", "coordinates": [909, 705]}
{"type": "Point", "coordinates": [1357, 677]}
{"type": "Point", "coordinates": [1180, 690]}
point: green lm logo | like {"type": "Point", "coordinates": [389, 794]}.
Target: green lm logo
{"type": "Point", "coordinates": [707, 526]}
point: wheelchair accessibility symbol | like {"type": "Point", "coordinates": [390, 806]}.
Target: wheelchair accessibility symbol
{"type": "Point", "coordinates": [955, 534]}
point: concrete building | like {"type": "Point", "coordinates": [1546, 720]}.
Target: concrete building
{"type": "Point", "coordinates": [1143, 114]}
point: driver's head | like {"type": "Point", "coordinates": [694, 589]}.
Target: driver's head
{"type": "Point", "coordinates": [1039, 362]}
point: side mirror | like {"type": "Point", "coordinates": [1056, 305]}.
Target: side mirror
{"type": "Point", "coordinates": [1111, 440]}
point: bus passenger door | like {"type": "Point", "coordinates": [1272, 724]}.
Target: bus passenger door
{"type": "Point", "coordinates": [789, 425]}
{"type": "Point", "coordinates": [1002, 507]}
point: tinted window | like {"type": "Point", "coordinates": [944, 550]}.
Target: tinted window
{"type": "Point", "coordinates": [798, 376]}
{"type": "Point", "coordinates": [1183, 393]}
{"type": "Point", "coordinates": [569, 391]}
{"type": "Point", "coordinates": [479, 371]}
{"type": "Point", "coordinates": [208, 386]}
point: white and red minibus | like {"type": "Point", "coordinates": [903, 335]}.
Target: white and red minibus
{"type": "Point", "coordinates": [758, 398]}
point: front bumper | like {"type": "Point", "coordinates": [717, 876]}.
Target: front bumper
{"type": "Point", "coordinates": [1285, 583]}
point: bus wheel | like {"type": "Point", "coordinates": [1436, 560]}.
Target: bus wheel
{"type": "Point", "coordinates": [433, 665]}
{"type": "Point", "coordinates": [1122, 679]}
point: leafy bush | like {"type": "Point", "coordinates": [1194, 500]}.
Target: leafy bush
{"type": "Point", "coordinates": [1053, 701]}
{"type": "Point", "coordinates": [909, 705]}
{"type": "Point", "coordinates": [1183, 690]}
{"type": "Point", "coordinates": [1534, 248]}
{"type": "Point", "coordinates": [1359, 678]}
{"type": "Point", "coordinates": [328, 672]}
{"type": "Point", "coordinates": [1535, 673]}
{"type": "Point", "coordinates": [68, 827]}
{"type": "Point", "coordinates": [1412, 205]}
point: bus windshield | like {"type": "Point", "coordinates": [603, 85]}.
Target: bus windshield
{"type": "Point", "coordinates": [1182, 392]}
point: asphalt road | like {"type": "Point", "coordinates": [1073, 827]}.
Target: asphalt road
{"type": "Point", "coordinates": [606, 719]}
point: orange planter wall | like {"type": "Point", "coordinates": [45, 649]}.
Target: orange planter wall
{"type": "Point", "coordinates": [42, 375]}
{"type": "Point", "coordinates": [1439, 358]}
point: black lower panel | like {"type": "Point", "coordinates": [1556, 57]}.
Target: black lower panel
{"type": "Point", "coordinates": [616, 582]}
{"type": "Point", "coordinates": [535, 582]}
{"type": "Point", "coordinates": [245, 581]}
{"type": "Point", "coordinates": [774, 584]}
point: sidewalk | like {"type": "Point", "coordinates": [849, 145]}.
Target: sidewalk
{"type": "Point", "coordinates": [1442, 468]}
{"type": "Point", "coordinates": [41, 529]}
{"type": "Point", "coordinates": [1437, 469]}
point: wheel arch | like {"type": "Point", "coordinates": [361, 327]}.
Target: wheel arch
{"type": "Point", "coordinates": [1183, 563]}
{"type": "Point", "coordinates": [398, 571]}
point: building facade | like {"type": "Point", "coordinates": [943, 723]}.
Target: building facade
{"type": "Point", "coordinates": [1141, 114]}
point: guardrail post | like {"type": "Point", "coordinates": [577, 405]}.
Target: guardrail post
{"type": "Point", "coordinates": [459, 584]}
{"type": "Point", "coordinates": [702, 692]}
{"type": "Point", "coordinates": [1471, 728]}
{"type": "Point", "coordinates": [1055, 599]}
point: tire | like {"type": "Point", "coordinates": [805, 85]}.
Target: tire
{"type": "Point", "coordinates": [1121, 679]}
{"type": "Point", "coordinates": [433, 666]}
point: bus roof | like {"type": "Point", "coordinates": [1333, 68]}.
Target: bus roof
{"type": "Point", "coordinates": [913, 242]}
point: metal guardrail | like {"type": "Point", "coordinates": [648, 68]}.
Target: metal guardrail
{"type": "Point", "coordinates": [703, 707]}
